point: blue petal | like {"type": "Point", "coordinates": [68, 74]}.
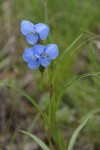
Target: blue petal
{"type": "Point", "coordinates": [52, 50]}
{"type": "Point", "coordinates": [32, 38]}
{"type": "Point", "coordinates": [38, 49]}
{"type": "Point", "coordinates": [26, 27]}
{"type": "Point", "coordinates": [28, 54]}
{"type": "Point", "coordinates": [33, 64]}
{"type": "Point", "coordinates": [42, 30]}
{"type": "Point", "coordinates": [45, 61]}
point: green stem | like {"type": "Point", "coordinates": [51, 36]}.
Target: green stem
{"type": "Point", "coordinates": [41, 82]}
{"type": "Point", "coordinates": [41, 69]}
{"type": "Point", "coordinates": [53, 122]}
{"type": "Point", "coordinates": [51, 84]}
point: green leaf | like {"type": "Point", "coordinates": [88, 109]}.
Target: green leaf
{"type": "Point", "coordinates": [80, 127]}
{"type": "Point", "coordinates": [37, 140]}
{"type": "Point", "coordinates": [63, 89]}
{"type": "Point", "coordinates": [67, 49]}
{"type": "Point", "coordinates": [3, 82]}
{"type": "Point", "coordinates": [85, 42]}
{"type": "Point", "coordinates": [47, 22]}
{"type": "Point", "coordinates": [5, 62]}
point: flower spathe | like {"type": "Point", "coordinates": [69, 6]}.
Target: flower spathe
{"type": "Point", "coordinates": [34, 32]}
{"type": "Point", "coordinates": [40, 55]}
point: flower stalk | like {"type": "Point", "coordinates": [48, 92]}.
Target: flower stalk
{"type": "Point", "coordinates": [40, 56]}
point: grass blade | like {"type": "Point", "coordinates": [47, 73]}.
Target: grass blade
{"type": "Point", "coordinates": [47, 22]}
{"type": "Point", "coordinates": [37, 140]}
{"type": "Point", "coordinates": [63, 89]}
{"type": "Point", "coordinates": [67, 49]}
{"type": "Point", "coordinates": [23, 93]}
{"type": "Point", "coordinates": [80, 127]}
{"type": "Point", "coordinates": [85, 42]}
{"type": "Point", "coordinates": [5, 62]}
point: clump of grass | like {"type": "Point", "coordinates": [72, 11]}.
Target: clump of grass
{"type": "Point", "coordinates": [68, 20]}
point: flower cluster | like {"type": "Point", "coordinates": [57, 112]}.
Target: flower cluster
{"type": "Point", "coordinates": [38, 54]}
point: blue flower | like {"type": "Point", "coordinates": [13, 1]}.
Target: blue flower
{"type": "Point", "coordinates": [34, 32]}
{"type": "Point", "coordinates": [40, 55]}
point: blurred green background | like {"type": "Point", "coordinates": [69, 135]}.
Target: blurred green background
{"type": "Point", "coordinates": [67, 20]}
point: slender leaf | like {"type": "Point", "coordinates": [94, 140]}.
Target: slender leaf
{"type": "Point", "coordinates": [5, 62]}
{"type": "Point", "coordinates": [63, 89]}
{"type": "Point", "coordinates": [85, 42]}
{"type": "Point", "coordinates": [37, 140]}
{"type": "Point", "coordinates": [23, 93]}
{"type": "Point", "coordinates": [80, 127]}
{"type": "Point", "coordinates": [67, 50]}
{"type": "Point", "coordinates": [47, 22]}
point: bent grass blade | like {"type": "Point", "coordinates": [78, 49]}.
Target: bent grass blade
{"type": "Point", "coordinates": [80, 127]}
{"type": "Point", "coordinates": [37, 140]}
{"type": "Point", "coordinates": [67, 50]}
{"type": "Point", "coordinates": [3, 82]}
{"type": "Point", "coordinates": [63, 89]}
